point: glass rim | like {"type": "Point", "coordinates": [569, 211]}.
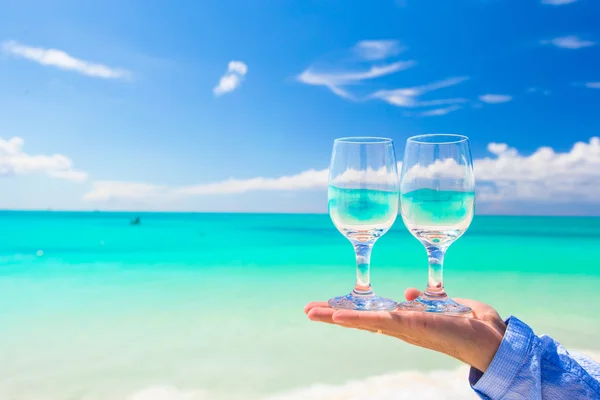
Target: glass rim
{"type": "Point", "coordinates": [363, 140]}
{"type": "Point", "coordinates": [455, 138]}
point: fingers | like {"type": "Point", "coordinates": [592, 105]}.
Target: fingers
{"type": "Point", "coordinates": [314, 304]}
{"type": "Point", "coordinates": [379, 320]}
{"type": "Point", "coordinates": [321, 314]}
{"type": "Point", "coordinates": [411, 294]}
{"type": "Point", "coordinates": [399, 323]}
{"type": "Point", "coordinates": [405, 325]}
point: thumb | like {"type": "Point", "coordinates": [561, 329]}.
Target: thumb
{"type": "Point", "coordinates": [411, 294]}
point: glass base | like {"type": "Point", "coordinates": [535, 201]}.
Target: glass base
{"type": "Point", "coordinates": [371, 302]}
{"type": "Point", "coordinates": [444, 305]}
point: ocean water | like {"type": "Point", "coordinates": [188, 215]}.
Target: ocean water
{"type": "Point", "coordinates": [364, 208]}
{"type": "Point", "coordinates": [437, 217]}
{"type": "Point", "coordinates": [209, 306]}
{"type": "Point", "coordinates": [362, 214]}
{"type": "Point", "coordinates": [438, 208]}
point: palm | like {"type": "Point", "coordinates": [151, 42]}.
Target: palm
{"type": "Point", "coordinates": [473, 338]}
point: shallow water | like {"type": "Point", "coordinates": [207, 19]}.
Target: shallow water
{"type": "Point", "coordinates": [209, 306]}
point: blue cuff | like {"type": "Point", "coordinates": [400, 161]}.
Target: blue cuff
{"type": "Point", "coordinates": [510, 356]}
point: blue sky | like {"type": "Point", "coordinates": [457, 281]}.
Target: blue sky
{"type": "Point", "coordinates": [126, 94]}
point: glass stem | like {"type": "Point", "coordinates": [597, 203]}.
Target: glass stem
{"type": "Point", "coordinates": [435, 283]}
{"type": "Point", "coordinates": [363, 269]}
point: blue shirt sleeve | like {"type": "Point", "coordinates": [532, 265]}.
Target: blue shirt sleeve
{"type": "Point", "coordinates": [530, 367]}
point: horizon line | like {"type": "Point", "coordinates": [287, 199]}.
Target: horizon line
{"type": "Point", "coordinates": [2, 210]}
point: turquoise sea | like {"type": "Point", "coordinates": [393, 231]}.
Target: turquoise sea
{"type": "Point", "coordinates": [209, 306]}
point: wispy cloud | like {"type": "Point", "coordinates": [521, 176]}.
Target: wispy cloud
{"type": "Point", "coordinates": [436, 112]}
{"type": "Point", "coordinates": [60, 59]}
{"type": "Point", "coordinates": [592, 85]}
{"type": "Point", "coordinates": [377, 49]}
{"type": "Point", "coordinates": [558, 2]}
{"type": "Point", "coordinates": [545, 175]}
{"type": "Point", "coordinates": [236, 71]}
{"type": "Point", "coordinates": [370, 50]}
{"type": "Point", "coordinates": [346, 78]}
{"type": "Point", "coordinates": [409, 97]}
{"type": "Point", "coordinates": [495, 98]}
{"type": "Point", "coordinates": [572, 42]}
{"type": "Point", "coordinates": [109, 190]}
{"type": "Point", "coordinates": [14, 161]}
{"type": "Point", "coordinates": [335, 81]}
{"type": "Point", "coordinates": [305, 180]}
{"type": "Point", "coordinates": [545, 92]}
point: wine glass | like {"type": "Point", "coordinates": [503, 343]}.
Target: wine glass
{"type": "Point", "coordinates": [363, 205]}
{"type": "Point", "coordinates": [437, 202]}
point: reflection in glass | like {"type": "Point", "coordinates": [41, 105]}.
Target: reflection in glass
{"type": "Point", "coordinates": [437, 203]}
{"type": "Point", "coordinates": [363, 205]}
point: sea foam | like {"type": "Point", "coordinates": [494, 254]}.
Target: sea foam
{"type": "Point", "coordinates": [404, 385]}
{"type": "Point", "coordinates": [413, 385]}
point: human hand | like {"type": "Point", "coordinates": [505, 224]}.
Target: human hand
{"type": "Point", "coordinates": [472, 338]}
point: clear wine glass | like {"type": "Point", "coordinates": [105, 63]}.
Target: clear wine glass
{"type": "Point", "coordinates": [437, 201]}
{"type": "Point", "coordinates": [363, 205]}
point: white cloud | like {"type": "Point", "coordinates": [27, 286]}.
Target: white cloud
{"type": "Point", "coordinates": [543, 176]}
{"type": "Point", "coordinates": [593, 85]}
{"type": "Point", "coordinates": [110, 190]}
{"type": "Point", "coordinates": [352, 177]}
{"type": "Point", "coordinates": [70, 175]}
{"type": "Point", "coordinates": [545, 92]}
{"type": "Point", "coordinates": [335, 80]}
{"type": "Point", "coordinates": [569, 42]}
{"type": "Point", "coordinates": [409, 97]}
{"type": "Point", "coordinates": [236, 71]}
{"type": "Point", "coordinates": [371, 50]}
{"type": "Point", "coordinates": [495, 98]}
{"type": "Point", "coordinates": [60, 59]}
{"type": "Point", "coordinates": [438, 111]}
{"type": "Point", "coordinates": [368, 51]}
{"type": "Point", "coordinates": [446, 168]}
{"type": "Point", "coordinates": [498, 148]}
{"type": "Point", "coordinates": [305, 180]}
{"type": "Point", "coordinates": [227, 83]}
{"type": "Point", "coordinates": [558, 2]}
{"type": "Point", "coordinates": [237, 67]}
{"type": "Point", "coordinates": [348, 78]}
{"type": "Point", "coordinates": [377, 49]}
{"type": "Point", "coordinates": [13, 161]}
{"type": "Point", "coordinates": [441, 102]}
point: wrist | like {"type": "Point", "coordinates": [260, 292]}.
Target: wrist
{"type": "Point", "coordinates": [487, 345]}
{"type": "Point", "coordinates": [509, 358]}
